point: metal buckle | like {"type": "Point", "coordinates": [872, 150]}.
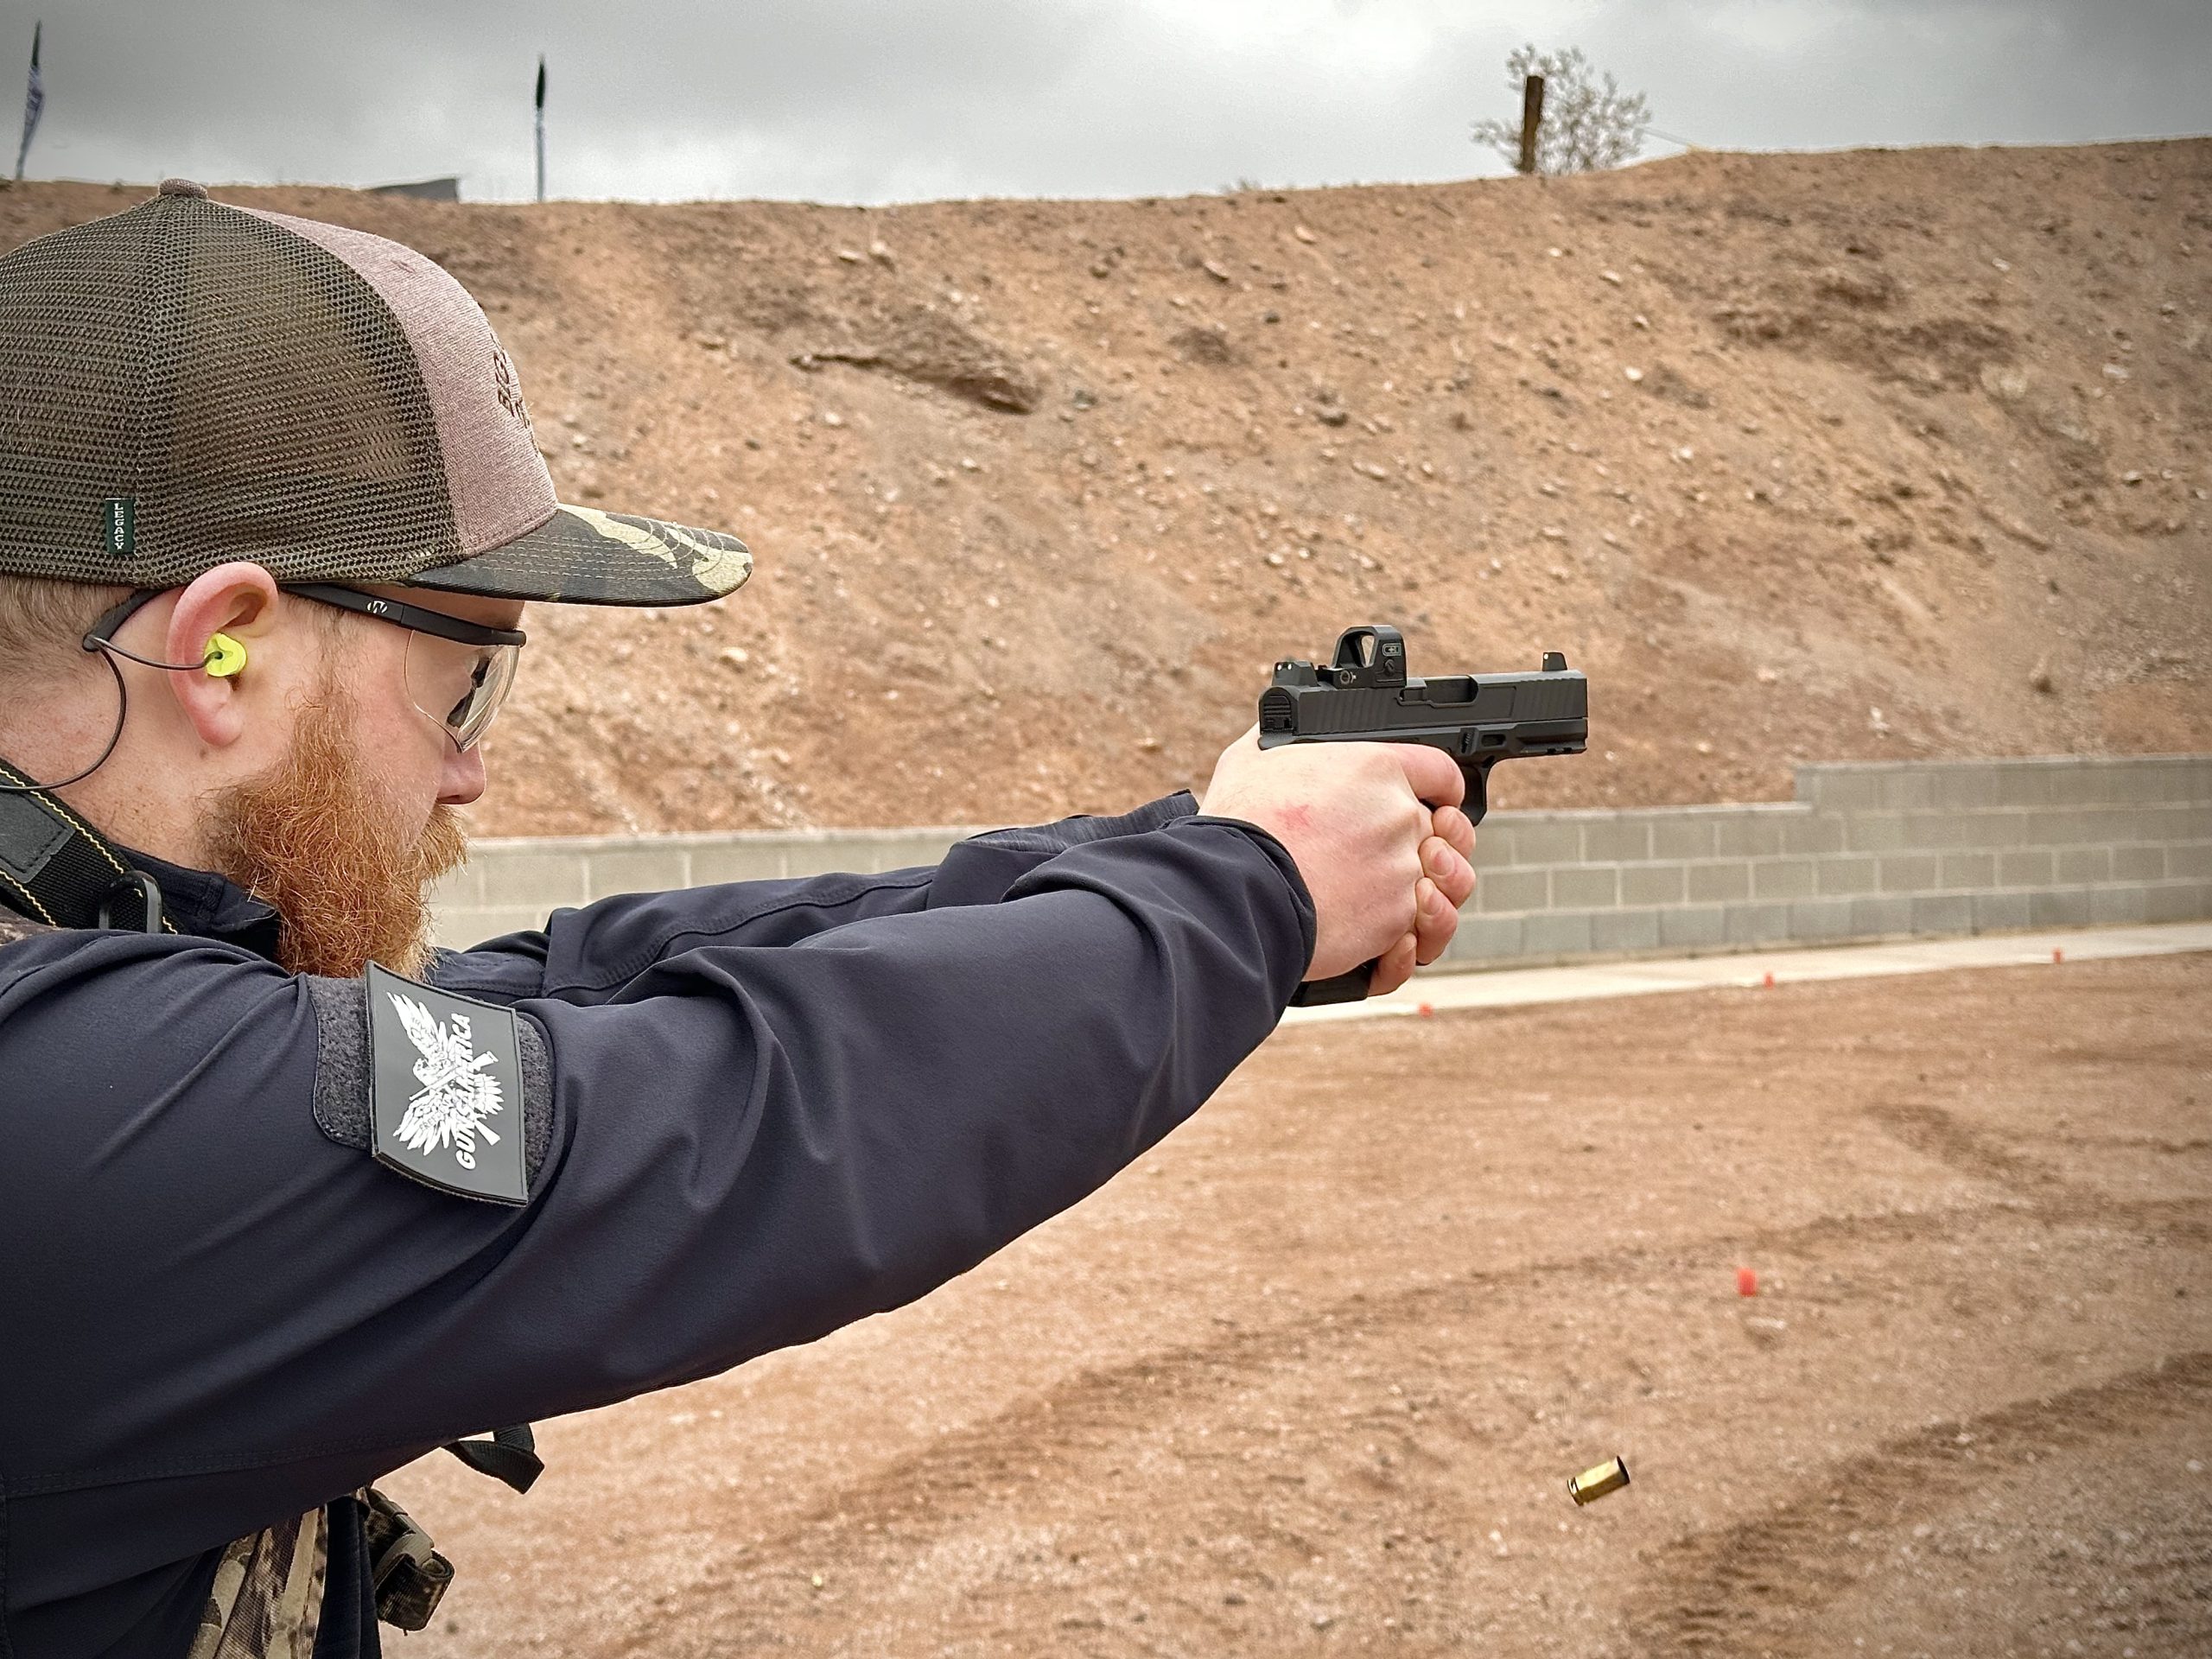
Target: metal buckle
{"type": "Point", "coordinates": [149, 894]}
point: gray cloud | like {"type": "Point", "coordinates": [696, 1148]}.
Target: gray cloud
{"type": "Point", "coordinates": [871, 100]}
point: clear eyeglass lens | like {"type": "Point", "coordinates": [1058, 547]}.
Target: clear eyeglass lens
{"type": "Point", "coordinates": [460, 687]}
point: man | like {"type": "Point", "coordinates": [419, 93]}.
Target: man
{"type": "Point", "coordinates": [276, 1220]}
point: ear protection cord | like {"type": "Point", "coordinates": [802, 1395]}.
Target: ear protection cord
{"type": "Point", "coordinates": [122, 709]}
{"type": "Point", "coordinates": [224, 658]}
{"type": "Point", "coordinates": [223, 651]}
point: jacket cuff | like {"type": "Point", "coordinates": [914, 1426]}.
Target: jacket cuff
{"type": "Point", "coordinates": [1300, 897]}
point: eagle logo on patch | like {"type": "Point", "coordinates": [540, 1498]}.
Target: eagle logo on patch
{"type": "Point", "coordinates": [459, 1090]}
{"type": "Point", "coordinates": [443, 1066]}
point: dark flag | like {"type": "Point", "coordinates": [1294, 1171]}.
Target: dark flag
{"type": "Point", "coordinates": [540, 124]}
{"type": "Point", "coordinates": [34, 101]}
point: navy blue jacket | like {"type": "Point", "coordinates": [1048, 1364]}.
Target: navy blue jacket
{"type": "Point", "coordinates": [761, 1111]}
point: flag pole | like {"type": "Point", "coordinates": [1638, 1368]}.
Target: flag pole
{"type": "Point", "coordinates": [541, 126]}
{"type": "Point", "coordinates": [33, 102]}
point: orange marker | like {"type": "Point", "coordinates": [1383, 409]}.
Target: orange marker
{"type": "Point", "coordinates": [1768, 981]}
{"type": "Point", "coordinates": [1747, 1282]}
{"type": "Point", "coordinates": [2057, 955]}
{"type": "Point", "coordinates": [1425, 1011]}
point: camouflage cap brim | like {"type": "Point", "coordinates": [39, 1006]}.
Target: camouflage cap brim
{"type": "Point", "coordinates": [583, 557]}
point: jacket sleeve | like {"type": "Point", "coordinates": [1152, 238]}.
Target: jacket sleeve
{"type": "Point", "coordinates": [740, 1147]}
{"type": "Point", "coordinates": [586, 955]}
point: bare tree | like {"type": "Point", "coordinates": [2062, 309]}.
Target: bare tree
{"type": "Point", "coordinates": [1589, 123]}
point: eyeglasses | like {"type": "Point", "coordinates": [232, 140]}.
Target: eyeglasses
{"type": "Point", "coordinates": [458, 672]}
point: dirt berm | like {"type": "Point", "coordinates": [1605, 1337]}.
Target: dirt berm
{"type": "Point", "coordinates": [1801, 457]}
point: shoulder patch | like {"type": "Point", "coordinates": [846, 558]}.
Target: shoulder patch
{"type": "Point", "coordinates": [346, 1093]}
{"type": "Point", "coordinates": [446, 1089]}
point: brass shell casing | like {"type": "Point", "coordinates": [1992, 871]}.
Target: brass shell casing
{"type": "Point", "coordinates": [1592, 1485]}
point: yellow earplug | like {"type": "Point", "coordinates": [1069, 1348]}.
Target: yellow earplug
{"type": "Point", "coordinates": [225, 656]}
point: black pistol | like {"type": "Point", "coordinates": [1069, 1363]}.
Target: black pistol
{"type": "Point", "coordinates": [1364, 696]}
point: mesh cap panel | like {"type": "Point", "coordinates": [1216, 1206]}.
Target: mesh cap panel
{"type": "Point", "coordinates": [72, 350]}
{"type": "Point", "coordinates": [188, 383]}
{"type": "Point", "coordinates": [250, 393]}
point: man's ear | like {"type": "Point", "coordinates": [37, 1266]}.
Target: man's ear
{"type": "Point", "coordinates": [238, 600]}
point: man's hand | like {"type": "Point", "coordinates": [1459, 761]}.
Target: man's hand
{"type": "Point", "coordinates": [1376, 832]}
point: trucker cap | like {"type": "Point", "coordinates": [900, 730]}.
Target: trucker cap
{"type": "Point", "coordinates": [192, 382]}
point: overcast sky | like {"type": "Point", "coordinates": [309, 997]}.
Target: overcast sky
{"type": "Point", "coordinates": [888, 100]}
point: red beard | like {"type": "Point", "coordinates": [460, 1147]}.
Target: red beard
{"type": "Point", "coordinates": [314, 839]}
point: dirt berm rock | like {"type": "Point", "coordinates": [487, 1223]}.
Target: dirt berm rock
{"type": "Point", "coordinates": [1801, 457]}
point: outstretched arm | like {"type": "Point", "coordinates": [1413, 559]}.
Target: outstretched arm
{"type": "Point", "coordinates": [582, 955]}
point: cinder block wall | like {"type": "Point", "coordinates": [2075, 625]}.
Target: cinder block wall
{"type": "Point", "coordinates": [512, 885]}
{"type": "Point", "coordinates": [1865, 851]}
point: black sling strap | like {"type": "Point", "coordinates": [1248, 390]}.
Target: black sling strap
{"type": "Point", "coordinates": [56, 868]}
{"type": "Point", "coordinates": [511, 1455]}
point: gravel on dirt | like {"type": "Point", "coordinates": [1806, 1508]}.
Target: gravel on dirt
{"type": "Point", "coordinates": [1312, 1376]}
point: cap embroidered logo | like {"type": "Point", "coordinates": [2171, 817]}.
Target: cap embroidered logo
{"type": "Point", "coordinates": [506, 386]}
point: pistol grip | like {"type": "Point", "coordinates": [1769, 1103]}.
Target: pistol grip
{"type": "Point", "coordinates": [1353, 986]}
{"type": "Point", "coordinates": [1344, 988]}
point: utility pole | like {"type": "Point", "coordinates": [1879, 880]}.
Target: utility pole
{"type": "Point", "coordinates": [1532, 118]}
{"type": "Point", "coordinates": [541, 126]}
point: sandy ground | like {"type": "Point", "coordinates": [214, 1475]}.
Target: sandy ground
{"type": "Point", "coordinates": [1312, 1376]}
{"type": "Point", "coordinates": [1879, 455]}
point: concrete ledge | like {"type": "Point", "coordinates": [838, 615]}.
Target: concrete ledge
{"type": "Point", "coordinates": [2034, 781]}
{"type": "Point", "coordinates": [2053, 952]}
